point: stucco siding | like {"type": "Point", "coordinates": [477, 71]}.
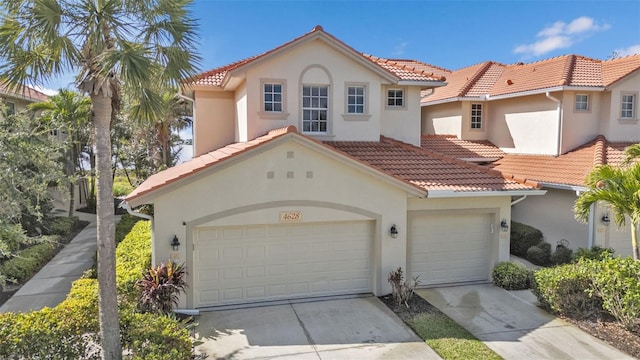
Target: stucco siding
{"type": "Point", "coordinates": [402, 123]}
{"type": "Point", "coordinates": [579, 126]}
{"type": "Point", "coordinates": [619, 129]}
{"type": "Point", "coordinates": [213, 121]}
{"type": "Point", "coordinates": [442, 119]}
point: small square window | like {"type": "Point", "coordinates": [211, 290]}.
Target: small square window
{"type": "Point", "coordinates": [272, 97]}
{"type": "Point", "coordinates": [395, 98]}
{"type": "Point", "coordinates": [627, 106]}
{"type": "Point", "coordinates": [582, 102]}
{"type": "Point", "coordinates": [355, 99]}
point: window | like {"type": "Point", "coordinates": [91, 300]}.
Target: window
{"type": "Point", "coordinates": [272, 97]}
{"type": "Point", "coordinates": [355, 99]}
{"type": "Point", "coordinates": [10, 108]}
{"type": "Point", "coordinates": [476, 116]}
{"type": "Point", "coordinates": [582, 102]}
{"type": "Point", "coordinates": [395, 98]}
{"type": "Point", "coordinates": [627, 106]}
{"type": "Point", "coordinates": [315, 108]}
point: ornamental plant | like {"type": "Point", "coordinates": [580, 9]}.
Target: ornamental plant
{"type": "Point", "coordinates": [161, 286]}
{"type": "Point", "coordinates": [401, 290]}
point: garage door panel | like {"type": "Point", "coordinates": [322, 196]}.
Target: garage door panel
{"type": "Point", "coordinates": [281, 261]}
{"type": "Point", "coordinates": [449, 248]}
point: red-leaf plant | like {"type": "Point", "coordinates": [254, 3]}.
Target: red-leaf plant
{"type": "Point", "coordinates": [161, 286]}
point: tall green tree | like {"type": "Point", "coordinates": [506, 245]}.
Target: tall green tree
{"type": "Point", "coordinates": [619, 189]}
{"type": "Point", "coordinates": [70, 113]}
{"type": "Point", "coordinates": [140, 44]}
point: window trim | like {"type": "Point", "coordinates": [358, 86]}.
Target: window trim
{"type": "Point", "coordinates": [575, 103]}
{"type": "Point", "coordinates": [404, 98]}
{"type": "Point", "coordinates": [327, 131]}
{"type": "Point", "coordinates": [10, 107]}
{"type": "Point", "coordinates": [273, 115]}
{"type": "Point", "coordinates": [471, 116]}
{"type": "Point", "coordinates": [634, 106]}
{"type": "Point", "coordinates": [365, 115]}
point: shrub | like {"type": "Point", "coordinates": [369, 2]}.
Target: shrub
{"type": "Point", "coordinates": [121, 186]}
{"type": "Point", "coordinates": [27, 261]}
{"type": "Point", "coordinates": [161, 286]}
{"type": "Point", "coordinates": [401, 290]}
{"type": "Point", "coordinates": [60, 225]}
{"type": "Point", "coordinates": [564, 290]}
{"type": "Point", "coordinates": [150, 336]}
{"type": "Point", "coordinates": [511, 276]}
{"type": "Point", "coordinates": [523, 237]}
{"type": "Point", "coordinates": [12, 236]}
{"type": "Point", "coordinates": [124, 226]}
{"type": "Point", "coordinates": [615, 281]}
{"type": "Point", "coordinates": [133, 258]}
{"type": "Point", "coordinates": [562, 255]}
{"type": "Point", "coordinates": [595, 253]}
{"type": "Point", "coordinates": [540, 254]}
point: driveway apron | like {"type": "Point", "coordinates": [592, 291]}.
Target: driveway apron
{"type": "Point", "coordinates": [356, 328]}
{"type": "Point", "coordinates": [516, 329]}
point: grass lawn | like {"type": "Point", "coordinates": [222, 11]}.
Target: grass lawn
{"type": "Point", "coordinates": [450, 340]}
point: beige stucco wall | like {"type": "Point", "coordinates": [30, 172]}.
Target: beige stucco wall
{"type": "Point", "coordinates": [614, 128]}
{"type": "Point", "coordinates": [498, 206]}
{"type": "Point", "coordinates": [579, 127]}
{"type": "Point", "coordinates": [524, 125]}
{"type": "Point", "coordinates": [401, 123]}
{"type": "Point", "coordinates": [442, 119]}
{"type": "Point", "coordinates": [553, 215]}
{"type": "Point", "coordinates": [475, 134]}
{"type": "Point", "coordinates": [243, 193]}
{"type": "Point", "coordinates": [213, 121]}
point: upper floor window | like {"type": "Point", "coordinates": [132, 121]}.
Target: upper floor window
{"type": "Point", "coordinates": [272, 97]}
{"type": "Point", "coordinates": [315, 108]}
{"type": "Point", "coordinates": [476, 116]}
{"type": "Point", "coordinates": [395, 98]}
{"type": "Point", "coordinates": [582, 102]}
{"type": "Point", "coordinates": [355, 99]}
{"type": "Point", "coordinates": [627, 106]}
{"type": "Point", "coordinates": [9, 107]}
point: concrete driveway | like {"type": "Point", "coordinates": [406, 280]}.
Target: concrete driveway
{"type": "Point", "coordinates": [515, 328]}
{"type": "Point", "coordinates": [356, 328]}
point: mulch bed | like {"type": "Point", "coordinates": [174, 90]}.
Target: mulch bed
{"type": "Point", "coordinates": [612, 333]}
{"type": "Point", "coordinates": [417, 306]}
{"type": "Point", "coordinates": [9, 290]}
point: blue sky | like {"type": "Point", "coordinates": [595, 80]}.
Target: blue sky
{"type": "Point", "coordinates": [450, 34]}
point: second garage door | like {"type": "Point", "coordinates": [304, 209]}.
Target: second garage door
{"type": "Point", "coordinates": [244, 264]}
{"type": "Point", "coordinates": [449, 248]}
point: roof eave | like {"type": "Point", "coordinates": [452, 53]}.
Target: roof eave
{"type": "Point", "coordinates": [427, 84]}
{"type": "Point", "coordinates": [486, 193]}
{"type": "Point", "coordinates": [559, 186]}
{"type": "Point", "coordinates": [542, 91]}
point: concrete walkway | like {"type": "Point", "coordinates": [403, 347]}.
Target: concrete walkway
{"type": "Point", "coordinates": [515, 328]}
{"type": "Point", "coordinates": [52, 283]}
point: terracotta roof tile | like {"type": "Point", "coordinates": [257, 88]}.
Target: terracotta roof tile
{"type": "Point", "coordinates": [461, 149]}
{"type": "Point", "coordinates": [571, 168]}
{"type": "Point", "coordinates": [615, 69]}
{"type": "Point", "coordinates": [427, 169]}
{"type": "Point", "coordinates": [409, 70]}
{"type": "Point", "coordinates": [24, 92]}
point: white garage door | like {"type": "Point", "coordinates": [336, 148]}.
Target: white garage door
{"type": "Point", "coordinates": [234, 265]}
{"type": "Point", "coordinates": [449, 248]}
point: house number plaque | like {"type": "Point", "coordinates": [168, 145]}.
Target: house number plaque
{"type": "Point", "coordinates": [290, 216]}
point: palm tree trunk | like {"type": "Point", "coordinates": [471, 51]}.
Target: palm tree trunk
{"type": "Point", "coordinates": [634, 240]}
{"type": "Point", "coordinates": [107, 296]}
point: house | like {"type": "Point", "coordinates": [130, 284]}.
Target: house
{"type": "Point", "coordinates": [17, 100]}
{"type": "Point", "coordinates": [550, 121]}
{"type": "Point", "coordinates": [308, 180]}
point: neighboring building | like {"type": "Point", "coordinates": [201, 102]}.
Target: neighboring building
{"type": "Point", "coordinates": [550, 121]}
{"type": "Point", "coordinates": [308, 180]}
{"type": "Point", "coordinates": [17, 100]}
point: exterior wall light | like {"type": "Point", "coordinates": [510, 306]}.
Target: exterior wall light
{"type": "Point", "coordinates": [606, 220]}
{"type": "Point", "coordinates": [504, 225]}
{"type": "Point", "coordinates": [393, 231]}
{"type": "Point", "coordinates": [175, 243]}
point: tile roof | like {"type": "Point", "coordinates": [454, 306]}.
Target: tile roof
{"type": "Point", "coordinates": [23, 92]}
{"type": "Point", "coordinates": [427, 169]}
{"type": "Point", "coordinates": [461, 149]}
{"type": "Point", "coordinates": [495, 79]}
{"type": "Point", "coordinates": [571, 168]}
{"type": "Point", "coordinates": [408, 70]}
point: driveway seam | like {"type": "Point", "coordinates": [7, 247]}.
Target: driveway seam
{"type": "Point", "coordinates": [306, 332]}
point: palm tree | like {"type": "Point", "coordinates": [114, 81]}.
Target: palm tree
{"type": "Point", "coordinates": [619, 188]}
{"type": "Point", "coordinates": [632, 152]}
{"type": "Point", "coordinates": [70, 112]}
{"type": "Point", "coordinates": [140, 44]}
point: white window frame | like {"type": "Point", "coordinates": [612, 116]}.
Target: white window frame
{"type": "Point", "coordinates": [632, 104]}
{"type": "Point", "coordinates": [476, 116]}
{"type": "Point", "coordinates": [273, 114]}
{"type": "Point", "coordinates": [316, 107]}
{"type": "Point", "coordinates": [586, 104]}
{"type": "Point", "coordinates": [356, 99]}
{"type": "Point", "coordinates": [389, 97]}
{"type": "Point", "coordinates": [356, 116]}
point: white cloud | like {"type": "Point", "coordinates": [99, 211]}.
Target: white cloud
{"type": "Point", "coordinates": [46, 91]}
{"type": "Point", "coordinates": [633, 49]}
{"type": "Point", "coordinates": [399, 49]}
{"type": "Point", "coordinates": [561, 35]}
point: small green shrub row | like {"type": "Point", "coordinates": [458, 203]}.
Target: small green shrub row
{"type": "Point", "coordinates": [27, 261]}
{"type": "Point", "coordinates": [12, 236]}
{"type": "Point", "coordinates": [523, 237]}
{"type": "Point", "coordinates": [61, 225]}
{"type": "Point", "coordinates": [69, 331]}
{"type": "Point", "coordinates": [121, 186]}
{"type": "Point", "coordinates": [124, 226]}
{"type": "Point", "coordinates": [540, 254]}
{"type": "Point", "coordinates": [594, 253]}
{"type": "Point", "coordinates": [562, 255]}
{"type": "Point", "coordinates": [511, 276]}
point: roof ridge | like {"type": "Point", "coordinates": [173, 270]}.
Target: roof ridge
{"type": "Point", "coordinates": [463, 163]}
{"type": "Point", "coordinates": [474, 79]}
{"type": "Point", "coordinates": [567, 73]}
{"type": "Point", "coordinates": [600, 151]}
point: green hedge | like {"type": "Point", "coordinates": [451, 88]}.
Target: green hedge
{"type": "Point", "coordinates": [69, 331]}
{"type": "Point", "coordinates": [511, 276]}
{"type": "Point", "coordinates": [523, 237]}
{"type": "Point", "coordinates": [26, 262]}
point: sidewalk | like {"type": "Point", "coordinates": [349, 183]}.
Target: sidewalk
{"type": "Point", "coordinates": [52, 283]}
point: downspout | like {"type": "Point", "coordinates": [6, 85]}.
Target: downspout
{"type": "Point", "coordinates": [518, 200]}
{"type": "Point", "coordinates": [592, 225]}
{"type": "Point", "coordinates": [560, 120]}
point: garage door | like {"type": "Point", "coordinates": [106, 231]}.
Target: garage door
{"type": "Point", "coordinates": [234, 265]}
{"type": "Point", "coordinates": [449, 248]}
